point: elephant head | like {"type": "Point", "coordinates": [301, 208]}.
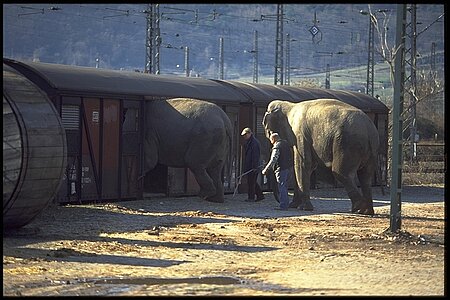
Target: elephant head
{"type": "Point", "coordinates": [275, 120]}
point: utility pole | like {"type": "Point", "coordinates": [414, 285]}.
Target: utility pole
{"type": "Point", "coordinates": [279, 47]}
{"type": "Point", "coordinates": [433, 60]}
{"type": "Point", "coordinates": [152, 39]}
{"type": "Point", "coordinates": [287, 70]}
{"type": "Point", "coordinates": [327, 70]}
{"type": "Point", "coordinates": [371, 49]}
{"type": "Point", "coordinates": [255, 58]}
{"type": "Point", "coordinates": [327, 77]}
{"type": "Point", "coordinates": [370, 58]}
{"type": "Point", "coordinates": [411, 81]}
{"type": "Point", "coordinates": [397, 121]}
{"type": "Point", "coordinates": [149, 40]}
{"type": "Point", "coordinates": [370, 52]}
{"type": "Point", "coordinates": [221, 58]}
{"type": "Point", "coordinates": [157, 39]}
{"type": "Point", "coordinates": [186, 61]}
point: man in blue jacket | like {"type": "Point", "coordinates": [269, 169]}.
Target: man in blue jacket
{"type": "Point", "coordinates": [252, 165]}
{"type": "Point", "coordinates": [281, 161]}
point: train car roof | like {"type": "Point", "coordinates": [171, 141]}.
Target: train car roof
{"type": "Point", "coordinates": [94, 81]}
{"type": "Point", "coordinates": [264, 93]}
{"type": "Point", "coordinates": [66, 78]}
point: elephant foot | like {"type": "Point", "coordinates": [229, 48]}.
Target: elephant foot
{"type": "Point", "coordinates": [306, 205]}
{"type": "Point", "coordinates": [368, 211]}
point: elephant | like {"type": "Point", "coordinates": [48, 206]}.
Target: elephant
{"type": "Point", "coordinates": [192, 133]}
{"type": "Point", "coordinates": [333, 134]}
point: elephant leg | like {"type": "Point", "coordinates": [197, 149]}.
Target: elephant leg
{"type": "Point", "coordinates": [205, 182]}
{"type": "Point", "coordinates": [215, 174]}
{"type": "Point", "coordinates": [344, 167]}
{"type": "Point", "coordinates": [296, 199]}
{"type": "Point", "coordinates": [305, 200]}
{"type": "Point", "coordinates": [351, 189]}
{"type": "Point", "coordinates": [365, 179]}
{"type": "Point", "coordinates": [359, 203]}
{"type": "Point", "coordinates": [198, 157]}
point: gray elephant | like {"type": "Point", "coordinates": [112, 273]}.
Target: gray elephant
{"type": "Point", "coordinates": [334, 134]}
{"type": "Point", "coordinates": [183, 132]}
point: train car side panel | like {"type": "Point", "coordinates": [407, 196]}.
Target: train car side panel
{"type": "Point", "coordinates": [110, 146]}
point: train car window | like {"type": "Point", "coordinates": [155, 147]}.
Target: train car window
{"type": "Point", "coordinates": [259, 118]}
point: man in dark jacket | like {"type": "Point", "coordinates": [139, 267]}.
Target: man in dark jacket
{"type": "Point", "coordinates": [252, 165]}
{"type": "Point", "coordinates": [281, 161]}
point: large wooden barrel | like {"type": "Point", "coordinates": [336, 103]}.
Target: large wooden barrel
{"type": "Point", "coordinates": [34, 150]}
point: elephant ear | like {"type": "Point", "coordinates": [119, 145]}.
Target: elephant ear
{"type": "Point", "coordinates": [270, 120]}
{"type": "Point", "coordinates": [268, 112]}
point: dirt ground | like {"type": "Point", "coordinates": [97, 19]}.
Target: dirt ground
{"type": "Point", "coordinates": [188, 247]}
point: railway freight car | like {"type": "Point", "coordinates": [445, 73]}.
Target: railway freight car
{"type": "Point", "coordinates": [102, 112]}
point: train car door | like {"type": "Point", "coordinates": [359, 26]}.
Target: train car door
{"type": "Point", "coordinates": [131, 149]}
{"type": "Point", "coordinates": [111, 123]}
{"type": "Point", "coordinates": [70, 189]}
{"type": "Point", "coordinates": [246, 119]}
{"type": "Point", "coordinates": [181, 182]}
{"type": "Point", "coordinates": [81, 120]}
{"type": "Point", "coordinates": [92, 128]}
{"type": "Point", "coordinates": [90, 149]}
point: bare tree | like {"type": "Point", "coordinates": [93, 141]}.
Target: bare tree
{"type": "Point", "coordinates": [427, 87]}
{"type": "Point", "coordinates": [388, 53]}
